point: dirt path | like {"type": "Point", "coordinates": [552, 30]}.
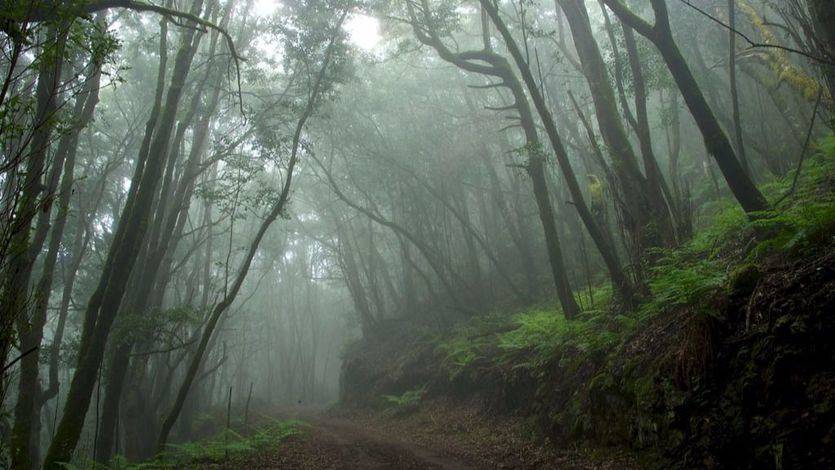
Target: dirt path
{"type": "Point", "coordinates": [338, 444]}
{"type": "Point", "coordinates": [437, 437]}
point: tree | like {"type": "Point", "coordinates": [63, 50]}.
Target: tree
{"type": "Point", "coordinates": [643, 209]}
{"type": "Point", "coordinates": [277, 209]}
{"type": "Point", "coordinates": [620, 281]}
{"type": "Point", "coordinates": [104, 303]}
{"type": "Point", "coordinates": [716, 141]}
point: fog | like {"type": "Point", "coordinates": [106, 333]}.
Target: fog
{"type": "Point", "coordinates": [207, 204]}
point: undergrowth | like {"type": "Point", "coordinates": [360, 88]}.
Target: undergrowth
{"type": "Point", "coordinates": [229, 444]}
{"type": "Point", "coordinates": [406, 401]}
{"type": "Point", "coordinates": [727, 242]}
{"type": "Point", "coordinates": [646, 378]}
{"type": "Point", "coordinates": [226, 446]}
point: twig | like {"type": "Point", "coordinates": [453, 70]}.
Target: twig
{"type": "Point", "coordinates": [753, 44]}
{"type": "Point", "coordinates": [805, 147]}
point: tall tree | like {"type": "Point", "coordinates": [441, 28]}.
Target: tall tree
{"type": "Point", "coordinates": [277, 209]}
{"type": "Point", "coordinates": [133, 225]}
{"type": "Point", "coordinates": [623, 286]}
{"type": "Point", "coordinates": [27, 411]}
{"type": "Point", "coordinates": [716, 141]}
{"type": "Point", "coordinates": [646, 211]}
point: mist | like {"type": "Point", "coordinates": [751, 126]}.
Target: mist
{"type": "Point", "coordinates": [416, 234]}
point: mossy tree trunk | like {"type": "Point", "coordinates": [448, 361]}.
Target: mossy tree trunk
{"type": "Point", "coordinates": [647, 218]}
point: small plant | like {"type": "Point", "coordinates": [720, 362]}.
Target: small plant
{"type": "Point", "coordinates": [459, 352]}
{"type": "Point", "coordinates": [407, 401]}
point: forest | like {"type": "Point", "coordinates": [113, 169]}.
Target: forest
{"type": "Point", "coordinates": [417, 234]}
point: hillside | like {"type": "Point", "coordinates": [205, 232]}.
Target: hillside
{"type": "Point", "coordinates": [727, 363]}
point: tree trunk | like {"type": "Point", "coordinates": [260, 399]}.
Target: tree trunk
{"type": "Point", "coordinates": [500, 68]}
{"type": "Point", "coordinates": [621, 283]}
{"type": "Point", "coordinates": [647, 217]}
{"type": "Point", "coordinates": [716, 141]}
{"type": "Point", "coordinates": [276, 210]}
{"type": "Point", "coordinates": [27, 420]}
{"type": "Point", "coordinates": [740, 145]}
{"type": "Point", "coordinates": [161, 243]}
{"type": "Point", "coordinates": [651, 168]}
{"type": "Point", "coordinates": [132, 227]}
{"type": "Point", "coordinates": [21, 259]}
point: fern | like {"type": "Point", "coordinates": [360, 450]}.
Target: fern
{"type": "Point", "coordinates": [407, 399]}
{"type": "Point", "coordinates": [227, 444]}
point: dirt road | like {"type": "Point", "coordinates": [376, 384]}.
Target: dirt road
{"type": "Point", "coordinates": [338, 444]}
{"type": "Point", "coordinates": [437, 437]}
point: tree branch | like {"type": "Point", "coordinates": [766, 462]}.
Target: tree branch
{"type": "Point", "coordinates": [753, 44]}
{"type": "Point", "coordinates": [46, 11]}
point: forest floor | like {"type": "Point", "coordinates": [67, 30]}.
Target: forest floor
{"type": "Point", "coordinates": [439, 435]}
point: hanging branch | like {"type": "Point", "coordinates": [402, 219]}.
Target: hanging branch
{"type": "Point", "coordinates": [753, 44]}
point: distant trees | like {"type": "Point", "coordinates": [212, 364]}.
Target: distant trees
{"type": "Point", "coordinates": [278, 208]}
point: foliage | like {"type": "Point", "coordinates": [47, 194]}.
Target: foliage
{"type": "Point", "coordinates": [675, 284]}
{"type": "Point", "coordinates": [406, 400]}
{"type": "Point", "coordinates": [466, 344]}
{"type": "Point", "coordinates": [459, 352]}
{"type": "Point", "coordinates": [689, 276]}
{"type": "Point", "coordinates": [693, 272]}
{"type": "Point", "coordinates": [226, 445]}
{"type": "Point", "coordinates": [541, 331]}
